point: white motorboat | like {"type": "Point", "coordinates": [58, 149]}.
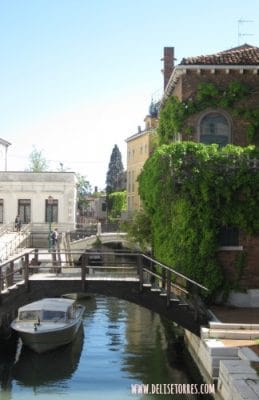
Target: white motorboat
{"type": "Point", "coordinates": [48, 323]}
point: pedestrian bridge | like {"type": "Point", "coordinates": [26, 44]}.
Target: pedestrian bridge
{"type": "Point", "coordinates": [135, 277]}
{"type": "Point", "coordinates": [105, 238]}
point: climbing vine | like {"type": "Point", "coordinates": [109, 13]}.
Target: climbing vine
{"type": "Point", "coordinates": [189, 191]}
{"type": "Point", "coordinates": [173, 116]}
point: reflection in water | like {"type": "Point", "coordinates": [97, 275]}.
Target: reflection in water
{"type": "Point", "coordinates": [53, 366]}
{"type": "Point", "coordinates": [120, 344]}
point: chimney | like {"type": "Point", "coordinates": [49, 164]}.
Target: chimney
{"type": "Point", "coordinates": [168, 63]}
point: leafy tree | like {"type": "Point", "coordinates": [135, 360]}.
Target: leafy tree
{"type": "Point", "coordinates": [139, 230]}
{"type": "Point", "coordinates": [83, 189]}
{"type": "Point", "coordinates": [115, 174]}
{"type": "Point", "coordinates": [118, 204]}
{"type": "Point", "coordinates": [38, 163]}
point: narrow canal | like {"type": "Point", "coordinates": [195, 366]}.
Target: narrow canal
{"type": "Point", "coordinates": [120, 346]}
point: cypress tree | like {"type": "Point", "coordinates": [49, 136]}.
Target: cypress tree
{"type": "Point", "coordinates": [115, 175]}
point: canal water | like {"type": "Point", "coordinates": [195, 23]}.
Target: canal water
{"type": "Point", "coordinates": [120, 348]}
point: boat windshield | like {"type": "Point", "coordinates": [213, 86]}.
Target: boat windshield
{"type": "Point", "coordinates": [49, 315]}
{"type": "Point", "coordinates": [32, 315]}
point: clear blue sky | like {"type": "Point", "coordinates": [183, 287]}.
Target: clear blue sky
{"type": "Point", "coordinates": [77, 76]}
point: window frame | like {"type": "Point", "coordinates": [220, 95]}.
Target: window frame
{"type": "Point", "coordinates": [51, 216]}
{"type": "Point", "coordinates": [1, 211]}
{"type": "Point", "coordinates": [24, 210]}
{"type": "Point", "coordinates": [219, 112]}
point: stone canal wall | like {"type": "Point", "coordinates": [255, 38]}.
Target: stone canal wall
{"type": "Point", "coordinates": [230, 367]}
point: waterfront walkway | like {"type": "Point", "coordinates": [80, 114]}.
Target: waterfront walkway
{"type": "Point", "coordinates": [246, 315]}
{"type": "Point", "coordinates": [228, 352]}
{"type": "Point", "coordinates": [241, 316]}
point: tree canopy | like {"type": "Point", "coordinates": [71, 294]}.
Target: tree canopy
{"type": "Point", "coordinates": [115, 173]}
{"type": "Point", "coordinates": [83, 189]}
{"type": "Point", "coordinates": [37, 162]}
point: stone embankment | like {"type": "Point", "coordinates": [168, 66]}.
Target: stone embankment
{"type": "Point", "coordinates": [225, 357]}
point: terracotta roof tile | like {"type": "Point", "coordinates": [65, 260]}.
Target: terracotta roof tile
{"type": "Point", "coordinates": [241, 55]}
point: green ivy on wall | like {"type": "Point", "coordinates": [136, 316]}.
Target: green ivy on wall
{"type": "Point", "coordinates": [174, 114]}
{"type": "Point", "coordinates": [189, 191]}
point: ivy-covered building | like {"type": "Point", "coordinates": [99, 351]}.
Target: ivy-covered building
{"type": "Point", "coordinates": [211, 99]}
{"type": "Point", "coordinates": [225, 88]}
{"type": "Point", "coordinates": [226, 110]}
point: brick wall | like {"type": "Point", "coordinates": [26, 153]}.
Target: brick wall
{"type": "Point", "coordinates": [250, 275]}
{"type": "Point", "coordinates": [187, 87]}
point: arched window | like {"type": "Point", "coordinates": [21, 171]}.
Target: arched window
{"type": "Point", "coordinates": [215, 128]}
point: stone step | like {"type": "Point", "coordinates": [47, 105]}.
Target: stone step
{"type": "Point", "coordinates": [233, 326]}
{"type": "Point", "coordinates": [174, 300]}
{"type": "Point", "coordinates": [183, 304]}
{"type": "Point", "coordinates": [163, 294]}
{"type": "Point", "coordinates": [233, 334]}
{"type": "Point", "coordinates": [155, 290]}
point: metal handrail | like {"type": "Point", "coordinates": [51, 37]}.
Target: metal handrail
{"type": "Point", "coordinates": [176, 273]}
{"type": "Point", "coordinates": [59, 265]}
{"type": "Point", "coordinates": [174, 285]}
{"type": "Point", "coordinates": [6, 228]}
{"type": "Point", "coordinates": [11, 247]}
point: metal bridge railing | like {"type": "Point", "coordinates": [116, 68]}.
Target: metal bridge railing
{"type": "Point", "coordinates": [6, 228]}
{"type": "Point", "coordinates": [15, 244]}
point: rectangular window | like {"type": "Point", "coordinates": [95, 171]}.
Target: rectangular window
{"type": "Point", "coordinates": [51, 211]}
{"type": "Point", "coordinates": [1, 211]}
{"type": "Point", "coordinates": [24, 210]}
{"type": "Point", "coordinates": [129, 181]}
{"type": "Point", "coordinates": [229, 236]}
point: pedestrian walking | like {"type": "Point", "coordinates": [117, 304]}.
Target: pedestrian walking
{"type": "Point", "coordinates": [17, 223]}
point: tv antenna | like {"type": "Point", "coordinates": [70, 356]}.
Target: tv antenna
{"type": "Point", "coordinates": [240, 22]}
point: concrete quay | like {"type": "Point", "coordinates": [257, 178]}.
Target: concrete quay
{"type": "Point", "coordinates": [226, 354]}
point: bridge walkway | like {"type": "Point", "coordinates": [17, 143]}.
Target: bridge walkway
{"type": "Point", "coordinates": [132, 276]}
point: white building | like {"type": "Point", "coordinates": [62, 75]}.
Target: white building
{"type": "Point", "coordinates": [39, 198]}
{"type": "Point", "coordinates": [3, 154]}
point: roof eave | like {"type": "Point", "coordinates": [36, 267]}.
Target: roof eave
{"type": "Point", "coordinates": [182, 68]}
{"type": "Point", "coordinates": [4, 142]}
{"type": "Point", "coordinates": [139, 134]}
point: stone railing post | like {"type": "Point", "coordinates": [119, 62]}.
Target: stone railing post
{"type": "Point", "coordinates": [11, 278]}
{"type": "Point", "coordinates": [168, 287]}
{"type": "Point", "coordinates": [1, 281]}
{"type": "Point", "coordinates": [26, 271]}
{"type": "Point", "coordinates": [140, 271]}
{"type": "Point", "coordinates": [163, 278]}
{"type": "Point", "coordinates": [36, 256]}
{"type": "Point", "coordinates": [84, 265]}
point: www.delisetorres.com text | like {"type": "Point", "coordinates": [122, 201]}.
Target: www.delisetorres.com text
{"type": "Point", "coordinates": [173, 388]}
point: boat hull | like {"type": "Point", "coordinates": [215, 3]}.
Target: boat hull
{"type": "Point", "coordinates": [42, 340]}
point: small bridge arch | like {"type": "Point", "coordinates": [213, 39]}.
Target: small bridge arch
{"type": "Point", "coordinates": [134, 277]}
